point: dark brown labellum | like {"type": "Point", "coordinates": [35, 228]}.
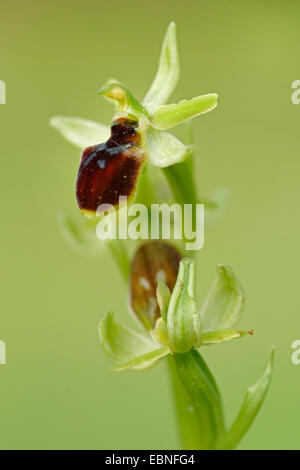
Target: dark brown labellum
{"type": "Point", "coordinates": [110, 170]}
{"type": "Point", "coordinates": [153, 259]}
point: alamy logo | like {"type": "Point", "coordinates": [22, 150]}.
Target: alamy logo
{"type": "Point", "coordinates": [2, 92]}
{"type": "Point", "coordinates": [296, 94]}
{"type": "Point", "coordinates": [295, 358]}
{"type": "Point", "coordinates": [154, 222]}
{"type": "Point", "coordinates": [2, 352]}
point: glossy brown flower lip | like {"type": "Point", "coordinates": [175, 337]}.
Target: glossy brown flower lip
{"type": "Point", "coordinates": [111, 169]}
{"type": "Point", "coordinates": [152, 259]}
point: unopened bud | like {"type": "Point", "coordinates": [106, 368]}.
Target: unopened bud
{"type": "Point", "coordinates": [153, 260]}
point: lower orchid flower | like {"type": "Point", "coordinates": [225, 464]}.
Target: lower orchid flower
{"type": "Point", "coordinates": [162, 298]}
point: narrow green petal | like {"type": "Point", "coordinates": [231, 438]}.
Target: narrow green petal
{"type": "Point", "coordinates": [170, 115]}
{"type": "Point", "coordinates": [202, 389]}
{"type": "Point", "coordinates": [145, 361]}
{"type": "Point", "coordinates": [164, 149]}
{"type": "Point", "coordinates": [225, 301]}
{"type": "Point", "coordinates": [253, 400]}
{"type": "Point", "coordinates": [80, 132]}
{"type": "Point", "coordinates": [125, 347]}
{"type": "Point", "coordinates": [163, 296]}
{"type": "Point", "coordinates": [183, 319]}
{"type": "Point", "coordinates": [219, 336]}
{"type": "Point", "coordinates": [167, 74]}
{"type": "Point", "coordinates": [160, 332]}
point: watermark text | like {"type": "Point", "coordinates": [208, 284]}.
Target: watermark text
{"type": "Point", "coordinates": [2, 352]}
{"type": "Point", "coordinates": [2, 92]}
{"type": "Point", "coordinates": [295, 358]}
{"type": "Point", "coordinates": [295, 97]}
{"type": "Point", "coordinates": [157, 221]}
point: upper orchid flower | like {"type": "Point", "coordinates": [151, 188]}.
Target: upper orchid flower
{"type": "Point", "coordinates": [138, 134]}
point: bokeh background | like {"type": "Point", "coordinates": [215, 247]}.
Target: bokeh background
{"type": "Point", "coordinates": [56, 391]}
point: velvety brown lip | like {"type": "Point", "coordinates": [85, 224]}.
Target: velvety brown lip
{"type": "Point", "coordinates": [111, 169]}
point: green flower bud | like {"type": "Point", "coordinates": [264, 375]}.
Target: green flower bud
{"type": "Point", "coordinates": [183, 317]}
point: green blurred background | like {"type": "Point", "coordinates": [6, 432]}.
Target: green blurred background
{"type": "Point", "coordinates": [56, 391]}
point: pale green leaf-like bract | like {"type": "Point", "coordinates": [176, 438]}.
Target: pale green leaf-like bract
{"type": "Point", "coordinates": [225, 301]}
{"type": "Point", "coordinates": [253, 400]}
{"type": "Point", "coordinates": [127, 348]}
{"type": "Point", "coordinates": [80, 132]}
{"type": "Point", "coordinates": [167, 74]}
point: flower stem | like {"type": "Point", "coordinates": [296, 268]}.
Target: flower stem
{"type": "Point", "coordinates": [181, 180]}
{"type": "Point", "coordinates": [188, 426]}
{"type": "Point", "coordinates": [198, 401]}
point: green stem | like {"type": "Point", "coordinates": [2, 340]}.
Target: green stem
{"type": "Point", "coordinates": [181, 180]}
{"type": "Point", "coordinates": [181, 176]}
{"type": "Point", "coordinates": [199, 404]}
{"type": "Point", "coordinates": [188, 425]}
{"type": "Point", "coordinates": [197, 399]}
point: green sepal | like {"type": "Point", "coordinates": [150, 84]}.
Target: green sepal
{"type": "Point", "coordinates": [225, 301]}
{"type": "Point", "coordinates": [145, 361]}
{"type": "Point", "coordinates": [219, 336]}
{"type": "Point", "coordinates": [164, 148]}
{"type": "Point", "coordinates": [127, 348]}
{"type": "Point", "coordinates": [80, 132]}
{"type": "Point", "coordinates": [253, 400]}
{"type": "Point", "coordinates": [167, 74]}
{"type": "Point", "coordinates": [183, 319]}
{"type": "Point", "coordinates": [171, 115]}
